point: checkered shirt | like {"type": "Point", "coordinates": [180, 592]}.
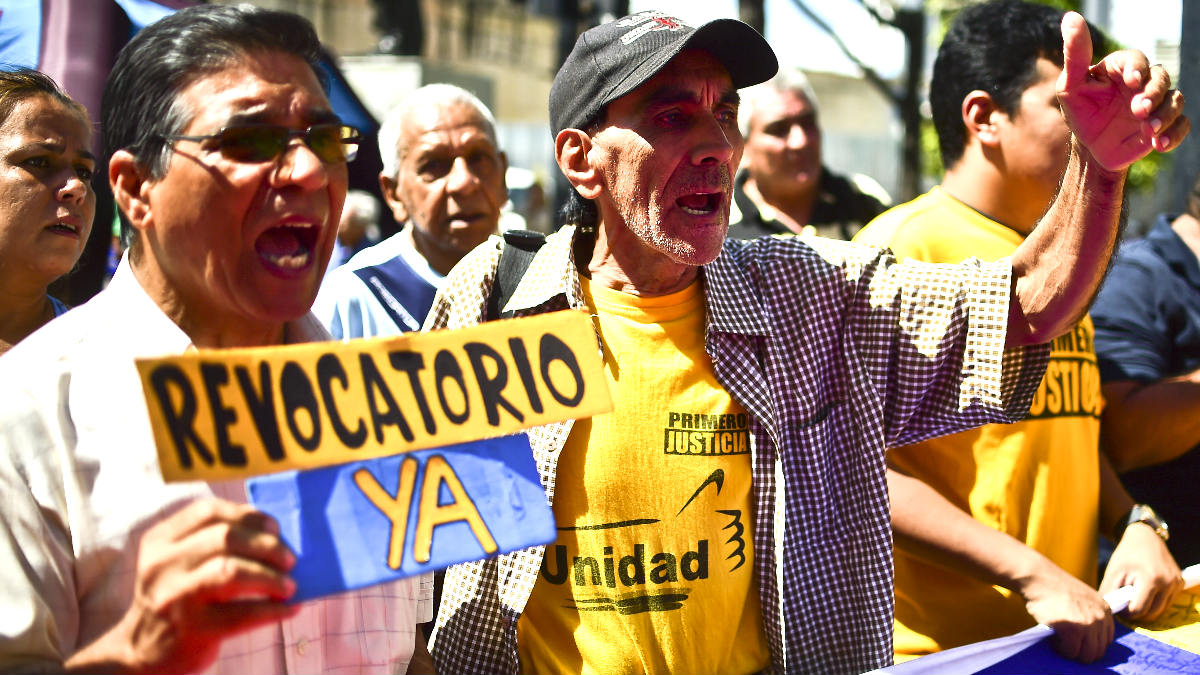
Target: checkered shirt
{"type": "Point", "coordinates": [837, 351]}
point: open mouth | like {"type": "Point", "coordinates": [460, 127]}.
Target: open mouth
{"type": "Point", "coordinates": [288, 246]}
{"type": "Point", "coordinates": [700, 204]}
{"type": "Point", "coordinates": [64, 230]}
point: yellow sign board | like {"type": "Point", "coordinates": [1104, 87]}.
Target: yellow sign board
{"type": "Point", "coordinates": [234, 413]}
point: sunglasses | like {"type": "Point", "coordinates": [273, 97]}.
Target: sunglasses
{"type": "Point", "coordinates": [254, 143]}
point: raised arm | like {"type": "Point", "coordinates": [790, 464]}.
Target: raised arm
{"type": "Point", "coordinates": [1118, 110]}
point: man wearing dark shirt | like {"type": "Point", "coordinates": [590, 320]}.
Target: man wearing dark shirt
{"type": "Point", "coordinates": [783, 186]}
{"type": "Point", "coordinates": [1147, 320]}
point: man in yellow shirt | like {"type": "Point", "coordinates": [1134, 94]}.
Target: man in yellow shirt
{"type": "Point", "coordinates": [1038, 491]}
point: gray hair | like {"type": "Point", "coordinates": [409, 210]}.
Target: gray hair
{"type": "Point", "coordinates": [431, 95]}
{"type": "Point", "coordinates": [791, 80]}
{"type": "Point", "coordinates": [363, 205]}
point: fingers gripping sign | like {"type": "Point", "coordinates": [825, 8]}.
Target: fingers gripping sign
{"type": "Point", "coordinates": [1120, 108]}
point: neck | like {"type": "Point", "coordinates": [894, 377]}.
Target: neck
{"type": "Point", "coordinates": [980, 185]}
{"type": "Point", "coordinates": [208, 328]}
{"type": "Point", "coordinates": [441, 261]}
{"type": "Point", "coordinates": [623, 262]}
{"type": "Point", "coordinates": [1187, 227]}
{"type": "Point", "coordinates": [24, 306]}
{"type": "Point", "coordinates": [794, 207]}
{"type": "Point", "coordinates": [21, 314]}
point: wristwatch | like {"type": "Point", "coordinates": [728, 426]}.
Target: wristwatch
{"type": "Point", "coordinates": [1141, 513]}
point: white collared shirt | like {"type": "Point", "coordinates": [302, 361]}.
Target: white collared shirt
{"type": "Point", "coordinates": [80, 483]}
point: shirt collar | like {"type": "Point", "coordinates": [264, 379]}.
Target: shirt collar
{"type": "Point", "coordinates": [553, 273]}
{"type": "Point", "coordinates": [728, 312]}
{"type": "Point", "coordinates": [1178, 256]}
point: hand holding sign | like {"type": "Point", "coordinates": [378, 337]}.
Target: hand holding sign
{"type": "Point", "coordinates": [380, 511]}
{"type": "Point", "coordinates": [207, 572]}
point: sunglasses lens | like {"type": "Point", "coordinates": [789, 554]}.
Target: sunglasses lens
{"type": "Point", "coordinates": [253, 144]}
{"type": "Point", "coordinates": [326, 141]}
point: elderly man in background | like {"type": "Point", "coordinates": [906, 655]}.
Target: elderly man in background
{"type": "Point", "coordinates": [230, 166]}
{"type": "Point", "coordinates": [443, 177]}
{"type": "Point", "coordinates": [784, 186]}
{"type": "Point", "coordinates": [731, 514]}
{"type": "Point", "coordinates": [358, 227]}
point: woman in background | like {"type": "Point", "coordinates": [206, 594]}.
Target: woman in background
{"type": "Point", "coordinates": [46, 197]}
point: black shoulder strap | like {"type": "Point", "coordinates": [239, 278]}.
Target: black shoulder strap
{"type": "Point", "coordinates": [520, 246]}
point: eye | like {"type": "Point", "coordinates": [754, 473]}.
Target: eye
{"type": "Point", "coordinates": [84, 173]}
{"type": "Point", "coordinates": [433, 168]}
{"type": "Point", "coordinates": [37, 162]}
{"type": "Point", "coordinates": [671, 118]}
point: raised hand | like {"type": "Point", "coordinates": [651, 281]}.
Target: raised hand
{"type": "Point", "coordinates": [207, 572]}
{"type": "Point", "coordinates": [1120, 108]}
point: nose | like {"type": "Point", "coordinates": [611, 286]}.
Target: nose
{"type": "Point", "coordinates": [797, 137]}
{"type": "Point", "coordinates": [460, 178]}
{"type": "Point", "coordinates": [299, 165]}
{"type": "Point", "coordinates": [716, 143]}
{"type": "Point", "coordinates": [74, 190]}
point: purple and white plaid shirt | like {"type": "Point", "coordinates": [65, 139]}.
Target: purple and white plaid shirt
{"type": "Point", "coordinates": [837, 351]}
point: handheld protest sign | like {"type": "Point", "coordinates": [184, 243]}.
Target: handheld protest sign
{"type": "Point", "coordinates": [235, 413]}
{"type": "Point", "coordinates": [368, 522]}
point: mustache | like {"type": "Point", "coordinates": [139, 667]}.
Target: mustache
{"type": "Point", "coordinates": [709, 179]}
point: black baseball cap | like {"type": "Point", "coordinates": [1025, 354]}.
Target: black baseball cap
{"type": "Point", "coordinates": [615, 58]}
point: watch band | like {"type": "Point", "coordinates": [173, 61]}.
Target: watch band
{"type": "Point", "coordinates": [1141, 513]}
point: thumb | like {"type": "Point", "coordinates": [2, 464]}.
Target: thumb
{"type": "Point", "coordinates": [1077, 50]}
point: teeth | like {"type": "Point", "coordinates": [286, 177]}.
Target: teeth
{"type": "Point", "coordinates": [289, 261]}
{"type": "Point", "coordinates": [694, 212]}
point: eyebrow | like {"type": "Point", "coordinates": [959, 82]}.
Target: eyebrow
{"type": "Point", "coordinates": [59, 148]}
{"type": "Point", "coordinates": [670, 94]}
{"type": "Point", "coordinates": [315, 116]}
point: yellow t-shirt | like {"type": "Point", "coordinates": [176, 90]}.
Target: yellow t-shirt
{"type": "Point", "coordinates": [1037, 480]}
{"type": "Point", "coordinates": [653, 568]}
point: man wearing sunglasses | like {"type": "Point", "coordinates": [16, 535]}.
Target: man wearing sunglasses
{"type": "Point", "coordinates": [230, 167]}
{"type": "Point", "coordinates": [443, 177]}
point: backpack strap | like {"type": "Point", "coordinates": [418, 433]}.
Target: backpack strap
{"type": "Point", "coordinates": [520, 246]}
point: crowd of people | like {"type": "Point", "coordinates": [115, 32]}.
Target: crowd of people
{"type": "Point", "coordinates": [933, 433]}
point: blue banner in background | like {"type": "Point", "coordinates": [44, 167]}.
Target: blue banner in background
{"type": "Point", "coordinates": [365, 523]}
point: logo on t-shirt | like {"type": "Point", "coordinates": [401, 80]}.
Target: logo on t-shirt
{"type": "Point", "coordinates": [1071, 387]}
{"type": "Point", "coordinates": [706, 435]}
{"type": "Point", "coordinates": [655, 581]}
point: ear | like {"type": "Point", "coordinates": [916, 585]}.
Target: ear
{"type": "Point", "coordinates": [131, 189]}
{"type": "Point", "coordinates": [390, 189]}
{"type": "Point", "coordinates": [979, 115]}
{"type": "Point", "coordinates": [572, 148]}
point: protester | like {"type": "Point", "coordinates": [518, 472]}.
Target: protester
{"type": "Point", "coordinates": [797, 357]}
{"type": "Point", "coordinates": [358, 227]}
{"type": "Point", "coordinates": [996, 528]}
{"type": "Point", "coordinates": [1148, 343]}
{"type": "Point", "coordinates": [784, 187]}
{"type": "Point", "coordinates": [46, 197]}
{"type": "Point", "coordinates": [231, 168]}
{"type": "Point", "coordinates": [443, 177]}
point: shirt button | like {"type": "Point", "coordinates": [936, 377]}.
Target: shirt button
{"type": "Point", "coordinates": [301, 647]}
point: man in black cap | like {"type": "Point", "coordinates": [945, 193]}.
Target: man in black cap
{"type": "Point", "coordinates": [730, 515]}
